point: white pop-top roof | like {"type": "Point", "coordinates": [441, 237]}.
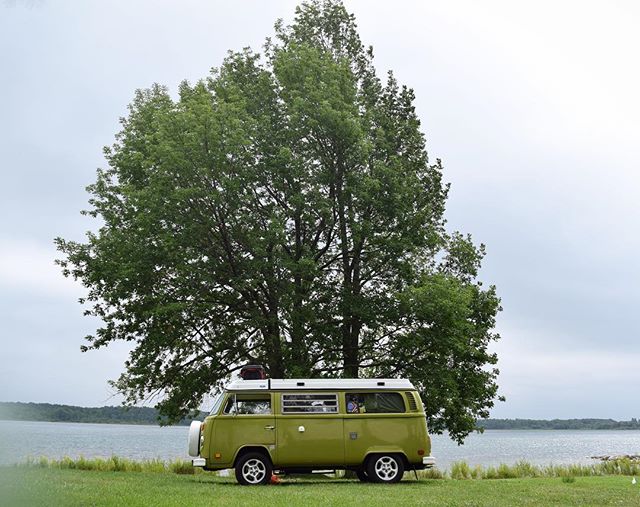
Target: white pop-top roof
{"type": "Point", "coordinates": [318, 383]}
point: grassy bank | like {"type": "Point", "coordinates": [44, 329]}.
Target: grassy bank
{"type": "Point", "coordinates": [68, 487]}
{"type": "Point", "coordinates": [459, 471]}
{"type": "Point", "coordinates": [524, 469]}
{"type": "Point", "coordinates": [113, 464]}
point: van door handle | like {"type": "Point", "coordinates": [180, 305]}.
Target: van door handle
{"type": "Point", "coordinates": [269, 427]}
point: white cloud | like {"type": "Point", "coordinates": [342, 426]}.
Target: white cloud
{"type": "Point", "coordinates": [544, 377]}
{"type": "Point", "coordinates": [26, 265]}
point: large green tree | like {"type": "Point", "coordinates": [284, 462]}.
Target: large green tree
{"type": "Point", "coordinates": [283, 211]}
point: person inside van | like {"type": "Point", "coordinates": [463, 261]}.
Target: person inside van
{"type": "Point", "coordinates": [356, 404]}
{"type": "Point", "coordinates": [353, 407]}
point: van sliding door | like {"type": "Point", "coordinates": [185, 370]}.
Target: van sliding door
{"type": "Point", "coordinates": [309, 430]}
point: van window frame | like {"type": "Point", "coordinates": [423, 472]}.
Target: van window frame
{"type": "Point", "coordinates": [218, 404]}
{"type": "Point", "coordinates": [289, 393]}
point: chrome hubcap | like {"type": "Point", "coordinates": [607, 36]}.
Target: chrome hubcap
{"type": "Point", "coordinates": [386, 468]}
{"type": "Point", "coordinates": [254, 471]}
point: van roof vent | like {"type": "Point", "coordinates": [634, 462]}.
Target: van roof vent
{"type": "Point", "coordinates": [413, 406]}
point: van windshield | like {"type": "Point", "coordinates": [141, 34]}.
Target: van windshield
{"type": "Point", "coordinates": [216, 404]}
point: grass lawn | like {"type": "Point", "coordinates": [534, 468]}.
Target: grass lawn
{"type": "Point", "coordinates": [50, 487]}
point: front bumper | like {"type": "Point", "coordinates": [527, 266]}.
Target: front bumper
{"type": "Point", "coordinates": [199, 462]}
{"type": "Point", "coordinates": [428, 461]}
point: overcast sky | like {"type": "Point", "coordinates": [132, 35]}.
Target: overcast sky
{"type": "Point", "coordinates": [534, 108]}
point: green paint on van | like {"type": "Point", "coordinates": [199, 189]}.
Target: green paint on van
{"type": "Point", "coordinates": [316, 428]}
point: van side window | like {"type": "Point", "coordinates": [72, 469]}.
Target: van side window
{"type": "Point", "coordinates": [310, 403]}
{"type": "Point", "coordinates": [248, 404]}
{"type": "Point", "coordinates": [375, 403]}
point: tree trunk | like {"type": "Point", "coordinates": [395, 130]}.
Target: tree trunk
{"type": "Point", "coordinates": [349, 348]}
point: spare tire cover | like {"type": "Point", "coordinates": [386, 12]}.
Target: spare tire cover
{"type": "Point", "coordinates": [194, 439]}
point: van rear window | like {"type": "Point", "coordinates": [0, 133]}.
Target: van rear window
{"type": "Point", "coordinates": [310, 403]}
{"type": "Point", "coordinates": [375, 403]}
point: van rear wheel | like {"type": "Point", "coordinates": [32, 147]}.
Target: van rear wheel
{"type": "Point", "coordinates": [385, 468]}
{"type": "Point", "coordinates": [253, 468]}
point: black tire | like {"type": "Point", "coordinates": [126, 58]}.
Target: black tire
{"type": "Point", "coordinates": [362, 475]}
{"type": "Point", "coordinates": [385, 468]}
{"type": "Point", "coordinates": [253, 469]}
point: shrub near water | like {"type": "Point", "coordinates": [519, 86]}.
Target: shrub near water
{"type": "Point", "coordinates": [182, 467]}
{"type": "Point", "coordinates": [460, 470]}
{"type": "Point", "coordinates": [113, 464]}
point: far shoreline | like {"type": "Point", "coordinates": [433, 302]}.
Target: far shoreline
{"type": "Point", "coordinates": [479, 431]}
{"type": "Point", "coordinates": [148, 416]}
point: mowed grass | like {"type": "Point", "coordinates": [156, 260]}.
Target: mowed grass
{"type": "Point", "coordinates": [53, 487]}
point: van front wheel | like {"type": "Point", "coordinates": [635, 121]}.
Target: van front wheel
{"type": "Point", "coordinates": [253, 468]}
{"type": "Point", "coordinates": [386, 468]}
{"type": "Point", "coordinates": [362, 475]}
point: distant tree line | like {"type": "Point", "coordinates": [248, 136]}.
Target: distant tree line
{"type": "Point", "coordinates": [558, 424]}
{"type": "Point", "coordinates": [17, 411]}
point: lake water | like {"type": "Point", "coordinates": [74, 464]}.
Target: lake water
{"type": "Point", "coordinates": [20, 439]}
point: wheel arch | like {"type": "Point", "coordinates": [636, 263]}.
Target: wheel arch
{"type": "Point", "coordinates": [397, 452]}
{"type": "Point", "coordinates": [245, 449]}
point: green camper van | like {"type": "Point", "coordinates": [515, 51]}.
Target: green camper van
{"type": "Point", "coordinates": [376, 427]}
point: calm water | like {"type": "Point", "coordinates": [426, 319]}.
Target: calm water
{"type": "Point", "coordinates": [20, 439]}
